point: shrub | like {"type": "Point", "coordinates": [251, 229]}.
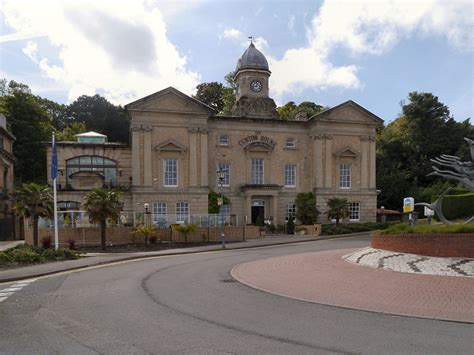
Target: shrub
{"type": "Point", "coordinates": [71, 243]}
{"type": "Point", "coordinates": [306, 211]}
{"type": "Point", "coordinates": [184, 230]}
{"type": "Point", "coordinates": [145, 232]}
{"type": "Point", "coordinates": [259, 221]}
{"type": "Point", "coordinates": [458, 206]}
{"type": "Point", "coordinates": [26, 254]}
{"type": "Point", "coordinates": [46, 242]}
{"type": "Point", "coordinates": [429, 229]}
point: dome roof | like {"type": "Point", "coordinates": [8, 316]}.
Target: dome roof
{"type": "Point", "coordinates": [252, 59]}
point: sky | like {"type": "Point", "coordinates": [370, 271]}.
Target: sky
{"type": "Point", "coordinates": [374, 52]}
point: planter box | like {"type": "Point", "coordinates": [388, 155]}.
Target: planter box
{"type": "Point", "coordinates": [311, 229]}
{"type": "Point", "coordinates": [436, 244]}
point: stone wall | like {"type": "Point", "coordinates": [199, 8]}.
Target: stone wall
{"type": "Point", "coordinates": [90, 236]}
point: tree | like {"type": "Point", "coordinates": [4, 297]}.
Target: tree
{"type": "Point", "coordinates": [31, 126]}
{"type": "Point", "coordinates": [69, 132]}
{"type": "Point", "coordinates": [212, 94]}
{"type": "Point", "coordinates": [424, 131]}
{"type": "Point", "coordinates": [34, 201]}
{"type": "Point", "coordinates": [101, 116]}
{"type": "Point", "coordinates": [100, 205]}
{"type": "Point", "coordinates": [229, 93]}
{"type": "Point", "coordinates": [338, 209]}
{"type": "Point", "coordinates": [290, 109]}
{"type": "Point", "coordinates": [306, 211]}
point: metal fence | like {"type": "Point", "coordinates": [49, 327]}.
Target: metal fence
{"type": "Point", "coordinates": [77, 219]}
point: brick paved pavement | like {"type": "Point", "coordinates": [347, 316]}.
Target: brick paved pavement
{"type": "Point", "coordinates": [324, 277]}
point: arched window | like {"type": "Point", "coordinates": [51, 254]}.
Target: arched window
{"type": "Point", "coordinates": [182, 212]}
{"type": "Point", "coordinates": [104, 166]}
{"type": "Point", "coordinates": [159, 212]}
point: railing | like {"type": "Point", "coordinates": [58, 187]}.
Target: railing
{"type": "Point", "coordinates": [77, 219]}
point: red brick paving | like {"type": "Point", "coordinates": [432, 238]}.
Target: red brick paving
{"type": "Point", "coordinates": [323, 277]}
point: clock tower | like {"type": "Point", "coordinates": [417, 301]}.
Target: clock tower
{"type": "Point", "coordinates": [251, 76]}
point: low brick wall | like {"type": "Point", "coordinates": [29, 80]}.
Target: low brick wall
{"type": "Point", "coordinates": [311, 229]}
{"type": "Point", "coordinates": [453, 245]}
{"type": "Point", "coordinates": [90, 236]}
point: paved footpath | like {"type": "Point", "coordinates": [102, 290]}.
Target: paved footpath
{"type": "Point", "coordinates": [97, 259]}
{"type": "Point", "coordinates": [326, 278]}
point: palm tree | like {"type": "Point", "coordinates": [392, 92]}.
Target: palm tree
{"type": "Point", "coordinates": [102, 204]}
{"type": "Point", "coordinates": [338, 209]}
{"type": "Point", "coordinates": [34, 201]}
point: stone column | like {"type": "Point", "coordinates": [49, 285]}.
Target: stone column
{"type": "Point", "coordinates": [135, 154]}
{"type": "Point", "coordinates": [193, 153]}
{"type": "Point", "coordinates": [318, 161]}
{"type": "Point", "coordinates": [147, 160]}
{"type": "Point", "coordinates": [364, 166]}
{"type": "Point", "coordinates": [248, 208]}
{"type": "Point", "coordinates": [372, 184]}
{"type": "Point", "coordinates": [328, 169]}
{"type": "Point", "coordinates": [204, 157]}
{"type": "Point", "coordinates": [275, 209]}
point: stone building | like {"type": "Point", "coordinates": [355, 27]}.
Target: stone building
{"type": "Point", "coordinates": [178, 144]}
{"type": "Point", "coordinates": [6, 181]}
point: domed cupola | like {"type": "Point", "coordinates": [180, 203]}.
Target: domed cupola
{"type": "Point", "coordinates": [251, 77]}
{"type": "Point", "coordinates": [252, 59]}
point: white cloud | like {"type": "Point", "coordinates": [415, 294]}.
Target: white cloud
{"type": "Point", "coordinates": [232, 33]}
{"type": "Point", "coordinates": [117, 47]}
{"type": "Point", "coordinates": [366, 27]}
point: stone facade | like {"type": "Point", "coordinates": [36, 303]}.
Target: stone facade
{"type": "Point", "coordinates": [6, 169]}
{"type": "Point", "coordinates": [269, 160]}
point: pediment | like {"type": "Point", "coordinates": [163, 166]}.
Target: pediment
{"type": "Point", "coordinates": [170, 145]}
{"type": "Point", "coordinates": [170, 100]}
{"type": "Point", "coordinates": [347, 152]}
{"type": "Point", "coordinates": [259, 147]}
{"type": "Point", "coordinates": [350, 112]}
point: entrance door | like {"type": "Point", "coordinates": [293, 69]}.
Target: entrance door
{"type": "Point", "coordinates": [258, 210]}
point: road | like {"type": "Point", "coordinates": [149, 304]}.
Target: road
{"type": "Point", "coordinates": [190, 305]}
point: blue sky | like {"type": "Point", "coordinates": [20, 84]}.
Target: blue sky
{"type": "Point", "coordinates": [373, 52]}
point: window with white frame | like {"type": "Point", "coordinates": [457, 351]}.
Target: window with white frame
{"type": "Point", "coordinates": [182, 212]}
{"type": "Point", "coordinates": [290, 212]}
{"type": "Point", "coordinates": [159, 212]}
{"type": "Point", "coordinates": [257, 172]}
{"type": "Point", "coordinates": [354, 211]}
{"type": "Point", "coordinates": [223, 139]}
{"type": "Point", "coordinates": [226, 168]}
{"type": "Point", "coordinates": [290, 175]}
{"type": "Point", "coordinates": [170, 172]}
{"type": "Point", "coordinates": [345, 176]}
{"type": "Point", "coordinates": [291, 143]}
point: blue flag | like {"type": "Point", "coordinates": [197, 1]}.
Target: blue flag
{"type": "Point", "coordinates": [54, 162]}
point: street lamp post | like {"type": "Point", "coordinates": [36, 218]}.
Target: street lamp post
{"type": "Point", "coordinates": [220, 178]}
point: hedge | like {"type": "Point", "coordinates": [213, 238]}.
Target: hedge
{"type": "Point", "coordinates": [458, 206]}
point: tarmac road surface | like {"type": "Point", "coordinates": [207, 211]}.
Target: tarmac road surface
{"type": "Point", "coordinates": [189, 304]}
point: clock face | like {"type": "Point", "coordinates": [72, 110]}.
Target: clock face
{"type": "Point", "coordinates": [256, 85]}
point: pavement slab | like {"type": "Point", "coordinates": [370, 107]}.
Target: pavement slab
{"type": "Point", "coordinates": [325, 278]}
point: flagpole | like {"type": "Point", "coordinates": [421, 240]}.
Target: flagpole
{"type": "Point", "coordinates": [56, 237]}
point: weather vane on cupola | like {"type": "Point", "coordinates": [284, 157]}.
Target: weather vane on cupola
{"type": "Point", "coordinates": [251, 39]}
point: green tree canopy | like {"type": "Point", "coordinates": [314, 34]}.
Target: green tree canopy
{"type": "Point", "coordinates": [212, 94]}
{"type": "Point", "coordinates": [290, 109]}
{"type": "Point", "coordinates": [101, 116]}
{"type": "Point", "coordinates": [306, 211]}
{"type": "Point", "coordinates": [30, 124]}
{"type": "Point", "coordinates": [424, 131]}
